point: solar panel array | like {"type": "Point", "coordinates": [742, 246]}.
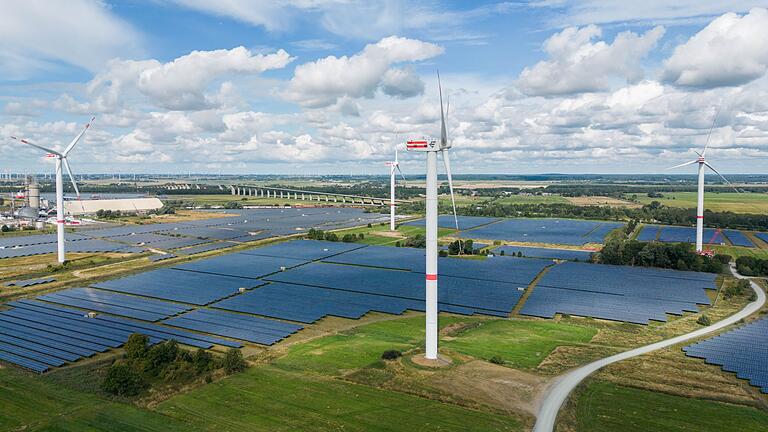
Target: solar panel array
{"type": "Point", "coordinates": [554, 231]}
{"type": "Point", "coordinates": [532, 252]}
{"type": "Point", "coordinates": [39, 336]}
{"type": "Point", "coordinates": [29, 282]}
{"type": "Point", "coordinates": [738, 238]}
{"type": "Point", "coordinates": [447, 221]}
{"type": "Point", "coordinates": [762, 236]}
{"type": "Point", "coordinates": [237, 326]}
{"type": "Point", "coordinates": [238, 226]}
{"type": "Point", "coordinates": [677, 234]}
{"type": "Point", "coordinates": [241, 265]}
{"type": "Point", "coordinates": [141, 308]}
{"type": "Point", "coordinates": [743, 351]}
{"type": "Point", "coordinates": [632, 294]}
{"type": "Point", "coordinates": [179, 285]}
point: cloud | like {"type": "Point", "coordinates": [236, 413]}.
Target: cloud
{"type": "Point", "coordinates": [181, 84]}
{"type": "Point", "coordinates": [323, 82]}
{"type": "Point", "coordinates": [581, 12]}
{"type": "Point", "coordinates": [731, 50]}
{"type": "Point", "coordinates": [578, 65]}
{"type": "Point", "coordinates": [402, 83]}
{"type": "Point", "coordinates": [35, 35]}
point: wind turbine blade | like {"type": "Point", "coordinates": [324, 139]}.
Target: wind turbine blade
{"type": "Point", "coordinates": [447, 164]}
{"type": "Point", "coordinates": [77, 138]}
{"type": "Point", "coordinates": [443, 132]}
{"type": "Point", "coordinates": [23, 141]}
{"type": "Point", "coordinates": [71, 177]}
{"type": "Point", "coordinates": [400, 171]}
{"type": "Point", "coordinates": [683, 164]}
{"type": "Point", "coordinates": [710, 132]}
{"type": "Point", "coordinates": [721, 176]}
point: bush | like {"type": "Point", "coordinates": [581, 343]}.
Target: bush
{"type": "Point", "coordinates": [161, 355]}
{"type": "Point", "coordinates": [753, 297]}
{"type": "Point", "coordinates": [332, 237]}
{"type": "Point", "coordinates": [122, 380]}
{"type": "Point", "coordinates": [496, 360]}
{"type": "Point", "coordinates": [502, 252]}
{"type": "Point", "coordinates": [723, 258]}
{"type": "Point", "coordinates": [233, 361]}
{"type": "Point", "coordinates": [361, 236]}
{"type": "Point", "coordinates": [737, 289]}
{"type": "Point", "coordinates": [203, 361]}
{"type": "Point", "coordinates": [369, 226]}
{"type": "Point", "coordinates": [442, 253]}
{"type": "Point", "coordinates": [348, 238]}
{"type": "Point", "coordinates": [391, 355]}
{"type": "Point", "coordinates": [704, 320]}
{"type": "Point", "coordinates": [136, 346]}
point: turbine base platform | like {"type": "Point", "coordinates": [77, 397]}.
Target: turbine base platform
{"type": "Point", "coordinates": [441, 361]}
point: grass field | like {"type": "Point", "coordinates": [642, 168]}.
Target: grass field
{"type": "Point", "coordinates": [520, 343]}
{"type": "Point", "coordinates": [531, 199]}
{"type": "Point", "coordinates": [607, 407]}
{"type": "Point", "coordinates": [736, 251]}
{"type": "Point", "coordinates": [270, 399]}
{"type": "Point", "coordinates": [28, 402]}
{"type": "Point", "coordinates": [379, 234]}
{"type": "Point", "coordinates": [716, 201]}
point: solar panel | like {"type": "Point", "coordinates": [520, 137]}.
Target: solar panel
{"type": "Point", "coordinates": [553, 231]}
{"type": "Point", "coordinates": [237, 326]}
{"type": "Point", "coordinates": [465, 222]}
{"type": "Point", "coordinates": [738, 238]}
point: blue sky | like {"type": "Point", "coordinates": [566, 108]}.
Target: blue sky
{"type": "Point", "coordinates": [332, 86]}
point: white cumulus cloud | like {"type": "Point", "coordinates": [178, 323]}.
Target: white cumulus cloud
{"type": "Point", "coordinates": [323, 82]}
{"type": "Point", "coordinates": [731, 50]}
{"type": "Point", "coordinates": [576, 64]}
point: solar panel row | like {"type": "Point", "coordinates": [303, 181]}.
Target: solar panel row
{"type": "Point", "coordinates": [554, 231]}
{"type": "Point", "coordinates": [116, 304]}
{"type": "Point", "coordinates": [38, 335]}
{"type": "Point", "coordinates": [29, 282]}
{"type": "Point", "coordinates": [179, 285]}
{"type": "Point", "coordinates": [532, 252]}
{"type": "Point", "coordinates": [237, 326]}
{"type": "Point", "coordinates": [743, 351]}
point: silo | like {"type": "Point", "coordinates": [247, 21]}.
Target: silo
{"type": "Point", "coordinates": [33, 193]}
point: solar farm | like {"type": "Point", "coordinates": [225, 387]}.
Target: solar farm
{"type": "Point", "coordinates": [266, 294]}
{"type": "Point", "coordinates": [192, 237]}
{"type": "Point", "coordinates": [551, 231]}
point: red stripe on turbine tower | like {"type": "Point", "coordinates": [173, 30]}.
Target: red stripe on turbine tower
{"type": "Point", "coordinates": [432, 277]}
{"type": "Point", "coordinates": [699, 217]}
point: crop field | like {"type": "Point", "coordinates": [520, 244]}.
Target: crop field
{"type": "Point", "coordinates": [756, 203]}
{"type": "Point", "coordinates": [608, 407]}
{"type": "Point", "coordinates": [531, 199]}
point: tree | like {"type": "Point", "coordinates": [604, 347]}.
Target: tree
{"type": "Point", "coordinates": [122, 380]}
{"type": "Point", "coordinates": [160, 355]}
{"type": "Point", "coordinates": [348, 238]}
{"type": "Point", "coordinates": [203, 361]}
{"type": "Point", "coordinates": [233, 361]}
{"type": "Point", "coordinates": [704, 320]}
{"type": "Point", "coordinates": [136, 346]}
{"type": "Point", "coordinates": [332, 237]}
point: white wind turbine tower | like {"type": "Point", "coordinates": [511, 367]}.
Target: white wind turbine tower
{"type": "Point", "coordinates": [700, 195]}
{"type": "Point", "coordinates": [394, 165]}
{"type": "Point", "coordinates": [432, 147]}
{"type": "Point", "coordinates": [61, 159]}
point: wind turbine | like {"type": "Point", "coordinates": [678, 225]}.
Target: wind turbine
{"type": "Point", "coordinates": [432, 147]}
{"type": "Point", "coordinates": [700, 196]}
{"type": "Point", "coordinates": [395, 165]}
{"type": "Point", "coordinates": [61, 159]}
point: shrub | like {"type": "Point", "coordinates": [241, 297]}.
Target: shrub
{"type": "Point", "coordinates": [161, 355]}
{"type": "Point", "coordinates": [233, 361]}
{"type": "Point", "coordinates": [704, 320]}
{"type": "Point", "coordinates": [348, 238]}
{"type": "Point", "coordinates": [136, 346]}
{"type": "Point", "coordinates": [723, 258]}
{"type": "Point", "coordinates": [332, 237]}
{"type": "Point", "coordinates": [203, 361]}
{"type": "Point", "coordinates": [122, 380]}
{"type": "Point", "coordinates": [502, 253]}
{"type": "Point", "coordinates": [391, 355]}
{"type": "Point", "coordinates": [753, 297]}
{"type": "Point", "coordinates": [369, 226]}
{"type": "Point", "coordinates": [496, 360]}
{"type": "Point", "coordinates": [361, 236]}
{"type": "Point", "coordinates": [442, 253]}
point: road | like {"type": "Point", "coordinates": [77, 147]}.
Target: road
{"type": "Point", "coordinates": [564, 385]}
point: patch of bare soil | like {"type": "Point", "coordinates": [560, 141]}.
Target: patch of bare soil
{"type": "Point", "coordinates": [497, 386]}
{"type": "Point", "coordinates": [601, 201]}
{"type": "Point", "coordinates": [390, 234]}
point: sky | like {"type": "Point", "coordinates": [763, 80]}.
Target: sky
{"type": "Point", "coordinates": [335, 86]}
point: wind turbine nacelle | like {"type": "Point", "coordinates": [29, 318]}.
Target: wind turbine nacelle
{"type": "Point", "coordinates": [423, 145]}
